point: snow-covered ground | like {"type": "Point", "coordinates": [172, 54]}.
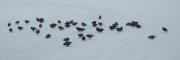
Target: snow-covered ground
{"type": "Point", "coordinates": [130, 44]}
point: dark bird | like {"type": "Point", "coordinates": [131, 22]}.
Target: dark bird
{"type": "Point", "coordinates": [71, 21]}
{"type": "Point", "coordinates": [67, 25]}
{"type": "Point", "coordinates": [119, 29]}
{"type": "Point", "coordinates": [40, 25]}
{"type": "Point", "coordinates": [164, 29]}
{"type": "Point", "coordinates": [41, 20]}
{"type": "Point", "coordinates": [61, 28]}
{"type": "Point", "coordinates": [93, 22]}
{"type": "Point", "coordinates": [116, 24]}
{"type": "Point", "coordinates": [10, 30]}
{"type": "Point", "coordinates": [48, 36]}
{"type": "Point", "coordinates": [17, 22]}
{"type": "Point", "coordinates": [67, 43]}
{"type": "Point", "coordinates": [33, 28]}
{"type": "Point", "coordinates": [67, 22]}
{"type": "Point", "coordinates": [74, 23]}
{"type": "Point", "coordinates": [100, 23]}
{"type": "Point", "coordinates": [83, 24]}
{"type": "Point", "coordinates": [80, 35]}
{"type": "Point", "coordinates": [112, 27]}
{"type": "Point", "coordinates": [138, 26]}
{"type": "Point", "coordinates": [128, 24]}
{"type": "Point", "coordinates": [66, 39]}
{"type": "Point", "coordinates": [20, 27]}
{"type": "Point", "coordinates": [80, 29]}
{"type": "Point", "coordinates": [94, 25]}
{"type": "Point", "coordinates": [59, 21]}
{"type": "Point", "coordinates": [99, 29]}
{"type": "Point", "coordinates": [53, 25]}
{"type": "Point", "coordinates": [83, 38]}
{"type": "Point", "coordinates": [100, 17]}
{"type": "Point", "coordinates": [37, 31]}
{"type": "Point", "coordinates": [9, 24]}
{"type": "Point", "coordinates": [89, 35]}
{"type": "Point", "coordinates": [26, 21]}
{"type": "Point", "coordinates": [134, 24]}
{"type": "Point", "coordinates": [151, 36]}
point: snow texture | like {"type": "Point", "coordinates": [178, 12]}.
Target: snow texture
{"type": "Point", "coordinates": [130, 44]}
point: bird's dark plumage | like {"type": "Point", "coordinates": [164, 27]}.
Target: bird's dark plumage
{"type": "Point", "coordinates": [48, 36]}
{"type": "Point", "coordinates": [10, 30]}
{"type": "Point", "coordinates": [26, 21]}
{"type": "Point", "coordinates": [164, 29]}
{"type": "Point", "coordinates": [67, 43]}
{"type": "Point", "coordinates": [83, 38]}
{"type": "Point", "coordinates": [33, 28]}
{"type": "Point", "coordinates": [20, 27]}
{"type": "Point", "coordinates": [40, 25]}
{"type": "Point", "coordinates": [61, 27]}
{"type": "Point", "coordinates": [9, 24]}
{"type": "Point", "coordinates": [80, 35]}
{"type": "Point", "coordinates": [59, 21]}
{"type": "Point", "coordinates": [151, 36]}
{"type": "Point", "coordinates": [119, 29]}
{"type": "Point", "coordinates": [80, 29]}
{"type": "Point", "coordinates": [40, 20]}
{"type": "Point", "coordinates": [83, 24]}
{"type": "Point", "coordinates": [89, 35]}
{"type": "Point", "coordinates": [66, 39]}
{"type": "Point", "coordinates": [17, 22]}
{"type": "Point", "coordinates": [53, 25]}
{"type": "Point", "coordinates": [99, 29]}
{"type": "Point", "coordinates": [37, 31]}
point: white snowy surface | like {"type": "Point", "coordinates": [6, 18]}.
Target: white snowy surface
{"type": "Point", "coordinates": [130, 44]}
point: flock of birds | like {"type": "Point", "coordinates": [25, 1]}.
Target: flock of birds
{"type": "Point", "coordinates": [97, 25]}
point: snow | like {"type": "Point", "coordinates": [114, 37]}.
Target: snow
{"type": "Point", "coordinates": [130, 44]}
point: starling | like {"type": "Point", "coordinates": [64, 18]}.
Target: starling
{"type": "Point", "coordinates": [20, 27]}
{"type": "Point", "coordinates": [33, 28]}
{"type": "Point", "coordinates": [37, 31]}
{"type": "Point", "coordinates": [99, 29]}
{"type": "Point", "coordinates": [10, 30]}
{"type": "Point", "coordinates": [100, 23]}
{"type": "Point", "coordinates": [151, 36]}
{"type": "Point", "coordinates": [83, 38]}
{"type": "Point", "coordinates": [112, 27]}
{"type": "Point", "coordinates": [9, 24]}
{"type": "Point", "coordinates": [67, 25]}
{"type": "Point", "coordinates": [41, 20]}
{"type": "Point", "coordinates": [138, 26]}
{"type": "Point", "coordinates": [119, 29]}
{"type": "Point", "coordinates": [100, 17]}
{"type": "Point", "coordinates": [60, 27]}
{"type": "Point", "coordinates": [164, 29]}
{"type": "Point", "coordinates": [17, 22]}
{"type": "Point", "coordinates": [67, 43]}
{"type": "Point", "coordinates": [74, 23]}
{"type": "Point", "coordinates": [66, 39]}
{"type": "Point", "coordinates": [40, 25]}
{"type": "Point", "coordinates": [53, 25]}
{"type": "Point", "coordinates": [48, 36]}
{"type": "Point", "coordinates": [71, 21]}
{"type": "Point", "coordinates": [26, 21]}
{"type": "Point", "coordinates": [83, 24]}
{"type": "Point", "coordinates": [80, 35]}
{"type": "Point", "coordinates": [59, 21]}
{"type": "Point", "coordinates": [89, 35]}
{"type": "Point", "coordinates": [80, 29]}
